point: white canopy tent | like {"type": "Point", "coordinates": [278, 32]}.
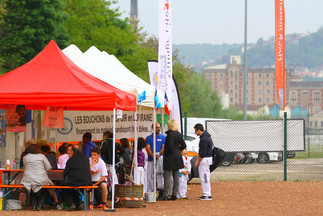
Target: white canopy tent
{"type": "Point", "coordinates": [109, 69]}
{"type": "Point", "coordinates": [78, 58]}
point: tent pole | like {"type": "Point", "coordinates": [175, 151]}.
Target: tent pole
{"type": "Point", "coordinates": [113, 158]}
{"type": "Point", "coordinates": [154, 144]}
{"type": "Point", "coordinates": [135, 147]}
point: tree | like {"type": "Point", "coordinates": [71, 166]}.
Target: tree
{"type": "Point", "coordinates": [27, 27]}
{"type": "Point", "coordinates": [94, 23]}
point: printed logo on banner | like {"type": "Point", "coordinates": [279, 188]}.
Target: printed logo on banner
{"type": "Point", "coordinates": [68, 127]}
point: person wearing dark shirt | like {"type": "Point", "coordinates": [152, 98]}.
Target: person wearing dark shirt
{"type": "Point", "coordinates": [76, 173]}
{"type": "Point", "coordinates": [24, 153]}
{"type": "Point", "coordinates": [172, 160]}
{"type": "Point", "coordinates": [204, 160]}
{"type": "Point", "coordinates": [107, 150]}
{"type": "Point", "coordinates": [88, 144]}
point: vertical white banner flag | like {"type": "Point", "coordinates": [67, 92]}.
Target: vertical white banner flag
{"type": "Point", "coordinates": [165, 67]}
{"type": "Point", "coordinates": [153, 72]}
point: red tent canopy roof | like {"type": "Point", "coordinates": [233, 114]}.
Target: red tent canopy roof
{"type": "Point", "coordinates": [52, 79]}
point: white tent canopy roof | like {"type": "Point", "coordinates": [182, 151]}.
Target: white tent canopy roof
{"type": "Point", "coordinates": [109, 69]}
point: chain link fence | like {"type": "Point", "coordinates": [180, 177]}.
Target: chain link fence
{"type": "Point", "coordinates": [255, 148]}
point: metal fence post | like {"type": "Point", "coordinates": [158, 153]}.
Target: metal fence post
{"type": "Point", "coordinates": [285, 146]}
{"type": "Point", "coordinates": [185, 125]}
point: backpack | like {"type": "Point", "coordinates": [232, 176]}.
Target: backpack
{"type": "Point", "coordinates": [218, 156]}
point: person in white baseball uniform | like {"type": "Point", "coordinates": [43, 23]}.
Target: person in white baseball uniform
{"type": "Point", "coordinates": [183, 176]}
{"type": "Point", "coordinates": [204, 160]}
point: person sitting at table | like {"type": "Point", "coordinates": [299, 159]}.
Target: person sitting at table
{"type": "Point", "coordinates": [24, 153]}
{"type": "Point", "coordinates": [69, 152]}
{"type": "Point", "coordinates": [63, 155]}
{"type": "Point", "coordinates": [101, 193]}
{"type": "Point", "coordinates": [76, 173]}
{"type": "Point", "coordinates": [35, 176]}
{"type": "Point", "coordinates": [50, 155]}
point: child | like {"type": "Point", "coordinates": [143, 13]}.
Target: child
{"type": "Point", "coordinates": [101, 193]}
{"type": "Point", "coordinates": [183, 176]}
{"type": "Point", "coordinates": [139, 178]}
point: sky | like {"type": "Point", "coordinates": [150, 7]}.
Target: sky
{"type": "Point", "coordinates": [222, 21]}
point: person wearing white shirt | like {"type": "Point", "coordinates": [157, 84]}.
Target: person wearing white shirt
{"type": "Point", "coordinates": [63, 157]}
{"type": "Point", "coordinates": [97, 164]}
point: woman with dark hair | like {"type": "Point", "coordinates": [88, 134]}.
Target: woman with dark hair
{"type": "Point", "coordinates": [139, 177]}
{"type": "Point", "coordinates": [172, 159]}
{"type": "Point", "coordinates": [35, 176]}
{"type": "Point", "coordinates": [125, 158]}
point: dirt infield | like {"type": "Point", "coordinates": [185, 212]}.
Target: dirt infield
{"type": "Point", "coordinates": [229, 198]}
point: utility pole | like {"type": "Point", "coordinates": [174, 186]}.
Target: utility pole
{"type": "Point", "coordinates": [134, 13]}
{"type": "Point", "coordinates": [245, 66]}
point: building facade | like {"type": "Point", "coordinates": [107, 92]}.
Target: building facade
{"type": "Point", "coordinates": [261, 87]}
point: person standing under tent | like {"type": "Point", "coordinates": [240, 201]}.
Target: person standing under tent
{"type": "Point", "coordinates": [88, 144]}
{"type": "Point", "coordinates": [107, 153]}
{"type": "Point", "coordinates": [139, 176]}
{"type": "Point", "coordinates": [204, 160]}
{"type": "Point", "coordinates": [160, 142]}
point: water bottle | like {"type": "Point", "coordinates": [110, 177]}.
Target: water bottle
{"type": "Point", "coordinates": [8, 164]}
{"type": "Point", "coordinates": [14, 165]}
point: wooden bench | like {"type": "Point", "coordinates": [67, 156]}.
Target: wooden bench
{"type": "Point", "coordinates": [83, 190]}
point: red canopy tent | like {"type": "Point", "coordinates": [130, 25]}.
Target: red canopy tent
{"type": "Point", "coordinates": [52, 79]}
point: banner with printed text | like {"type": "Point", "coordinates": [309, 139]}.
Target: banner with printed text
{"type": "Point", "coordinates": [165, 65]}
{"type": "Point", "coordinates": [76, 123]}
{"type": "Point", "coordinates": [280, 51]}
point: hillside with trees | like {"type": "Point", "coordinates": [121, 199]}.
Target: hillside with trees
{"type": "Point", "coordinates": [303, 50]}
{"type": "Point", "coordinates": [26, 27]}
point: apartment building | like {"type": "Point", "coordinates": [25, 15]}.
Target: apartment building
{"type": "Point", "coordinates": [261, 86]}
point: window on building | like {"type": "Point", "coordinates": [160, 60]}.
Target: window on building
{"type": "Point", "coordinates": [259, 75]}
{"type": "Point", "coordinates": [315, 124]}
{"type": "Point", "coordinates": [267, 100]}
{"type": "Point", "coordinates": [316, 99]}
{"type": "Point", "coordinates": [231, 74]}
{"type": "Point", "coordinates": [305, 93]}
{"type": "Point", "coordinates": [235, 95]}
{"type": "Point", "coordinates": [259, 91]}
{"type": "Point", "coordinates": [267, 75]}
{"type": "Point", "coordinates": [267, 83]}
{"type": "Point", "coordinates": [231, 99]}
{"type": "Point", "coordinates": [236, 87]}
{"type": "Point", "coordinates": [259, 82]}
{"type": "Point", "coordinates": [268, 91]}
{"type": "Point", "coordinates": [236, 76]}
{"type": "Point", "coordinates": [259, 100]}
{"type": "Point", "coordinates": [231, 90]}
{"type": "Point", "coordinates": [321, 123]}
{"type": "Point", "coordinates": [317, 93]}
